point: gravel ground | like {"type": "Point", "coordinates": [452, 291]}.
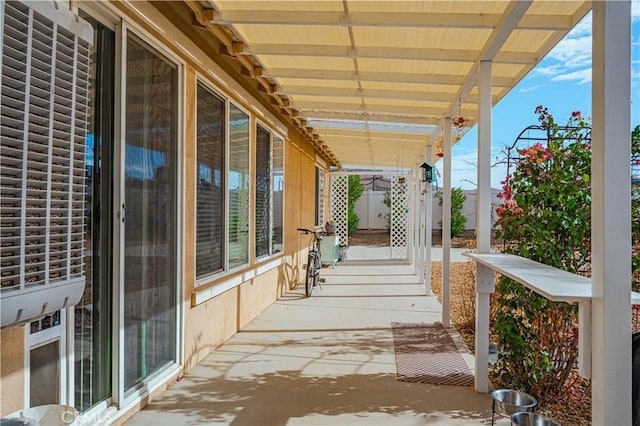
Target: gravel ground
{"type": "Point", "coordinates": [572, 407]}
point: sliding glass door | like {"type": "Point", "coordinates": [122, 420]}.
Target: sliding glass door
{"type": "Point", "coordinates": [150, 212]}
{"type": "Point", "coordinates": [93, 315]}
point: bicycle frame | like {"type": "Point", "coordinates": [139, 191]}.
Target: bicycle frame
{"type": "Point", "coordinates": [313, 266]}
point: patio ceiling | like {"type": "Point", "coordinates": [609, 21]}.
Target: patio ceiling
{"type": "Point", "coordinates": [371, 82]}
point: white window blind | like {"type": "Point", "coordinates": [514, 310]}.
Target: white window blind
{"type": "Point", "coordinates": [210, 184]}
{"type": "Point", "coordinates": [43, 125]}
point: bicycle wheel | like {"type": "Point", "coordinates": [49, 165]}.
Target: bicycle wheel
{"type": "Point", "coordinates": [310, 279]}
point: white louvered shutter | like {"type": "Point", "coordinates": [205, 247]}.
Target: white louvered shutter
{"type": "Point", "coordinates": [43, 125]}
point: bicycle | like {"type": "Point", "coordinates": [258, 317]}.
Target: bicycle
{"type": "Point", "coordinates": [313, 266]}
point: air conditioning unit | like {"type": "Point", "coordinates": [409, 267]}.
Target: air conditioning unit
{"type": "Point", "coordinates": [44, 90]}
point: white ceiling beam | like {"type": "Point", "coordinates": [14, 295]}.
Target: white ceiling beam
{"type": "Point", "coordinates": [376, 139]}
{"type": "Point", "coordinates": [389, 77]}
{"type": "Point", "coordinates": [354, 19]}
{"type": "Point", "coordinates": [333, 92]}
{"type": "Point", "coordinates": [364, 116]}
{"type": "Point", "coordinates": [508, 22]}
{"type": "Point", "coordinates": [399, 77]}
{"type": "Point", "coordinates": [381, 109]}
{"type": "Point", "coordinates": [375, 52]}
{"type": "Point", "coordinates": [330, 132]}
{"type": "Point", "coordinates": [383, 19]}
{"type": "Point", "coordinates": [389, 149]}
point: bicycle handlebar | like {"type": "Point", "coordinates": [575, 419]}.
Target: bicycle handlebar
{"type": "Point", "coordinates": [309, 231]}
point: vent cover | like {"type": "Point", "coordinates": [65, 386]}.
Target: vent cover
{"type": "Point", "coordinates": [43, 125]}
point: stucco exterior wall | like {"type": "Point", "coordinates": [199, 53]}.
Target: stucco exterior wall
{"type": "Point", "coordinates": [209, 321]}
{"type": "Point", "coordinates": [11, 369]}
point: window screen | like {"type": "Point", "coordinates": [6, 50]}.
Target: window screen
{"type": "Point", "coordinates": [263, 196]}
{"type": "Point", "coordinates": [210, 183]}
{"type": "Point", "coordinates": [277, 194]}
{"type": "Point", "coordinates": [238, 239]}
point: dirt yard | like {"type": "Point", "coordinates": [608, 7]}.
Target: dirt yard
{"type": "Point", "coordinates": [380, 238]}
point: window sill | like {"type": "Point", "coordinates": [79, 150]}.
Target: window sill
{"type": "Point", "coordinates": [215, 288]}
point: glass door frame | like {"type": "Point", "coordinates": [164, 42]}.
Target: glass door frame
{"type": "Point", "coordinates": [155, 379]}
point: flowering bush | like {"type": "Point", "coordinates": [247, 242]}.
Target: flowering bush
{"type": "Point", "coordinates": [545, 216]}
{"type": "Point", "coordinates": [635, 217]}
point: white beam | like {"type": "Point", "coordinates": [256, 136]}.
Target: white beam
{"type": "Point", "coordinates": [418, 204]}
{"type": "Point", "coordinates": [374, 108]}
{"type": "Point", "coordinates": [382, 149]}
{"type": "Point", "coordinates": [610, 216]}
{"type": "Point", "coordinates": [343, 92]}
{"type": "Point", "coordinates": [446, 225]}
{"type": "Point", "coordinates": [514, 13]}
{"type": "Point", "coordinates": [361, 133]}
{"type": "Point", "coordinates": [391, 143]}
{"type": "Point", "coordinates": [504, 28]}
{"type": "Point", "coordinates": [484, 276]}
{"type": "Point", "coordinates": [388, 77]}
{"type": "Point", "coordinates": [380, 52]}
{"type": "Point", "coordinates": [354, 19]}
{"type": "Point", "coordinates": [383, 19]}
{"type": "Point", "coordinates": [370, 117]}
{"type": "Point", "coordinates": [428, 215]}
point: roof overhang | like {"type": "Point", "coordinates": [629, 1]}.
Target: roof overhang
{"type": "Point", "coordinates": [372, 83]}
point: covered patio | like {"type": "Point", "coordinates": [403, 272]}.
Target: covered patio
{"type": "Point", "coordinates": [390, 85]}
{"type": "Point", "coordinates": [216, 128]}
{"type": "Point", "coordinates": [325, 360]}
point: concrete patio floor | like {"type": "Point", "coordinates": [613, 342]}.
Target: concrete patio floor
{"type": "Point", "coordinates": [324, 360]}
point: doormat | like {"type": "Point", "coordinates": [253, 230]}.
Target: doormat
{"type": "Point", "coordinates": [426, 353]}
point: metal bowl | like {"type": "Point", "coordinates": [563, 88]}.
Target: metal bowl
{"type": "Point", "coordinates": [508, 402]}
{"type": "Point", "coordinates": [532, 419]}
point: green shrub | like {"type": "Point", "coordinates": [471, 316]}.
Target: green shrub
{"type": "Point", "coordinates": [458, 220]}
{"type": "Point", "coordinates": [355, 188]}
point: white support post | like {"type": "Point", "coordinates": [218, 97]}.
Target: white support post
{"type": "Point", "coordinates": [417, 222]}
{"type": "Point", "coordinates": [446, 225]}
{"type": "Point", "coordinates": [584, 339]}
{"type": "Point", "coordinates": [610, 215]}
{"type": "Point", "coordinates": [422, 205]}
{"type": "Point", "coordinates": [428, 215]}
{"type": "Point", "coordinates": [484, 276]}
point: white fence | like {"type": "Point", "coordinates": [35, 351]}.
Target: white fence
{"type": "Point", "coordinates": [372, 212]}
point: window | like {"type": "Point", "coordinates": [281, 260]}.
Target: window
{"type": "Point", "coordinates": [151, 199]}
{"type": "Point", "coordinates": [319, 196]}
{"type": "Point", "coordinates": [238, 195]}
{"type": "Point", "coordinates": [269, 192]}
{"type": "Point", "coordinates": [93, 314]}
{"type": "Point", "coordinates": [210, 183]}
{"type": "Point", "coordinates": [263, 193]}
{"type": "Point", "coordinates": [277, 195]}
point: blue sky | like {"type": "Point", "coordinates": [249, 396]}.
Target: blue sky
{"type": "Point", "coordinates": [561, 82]}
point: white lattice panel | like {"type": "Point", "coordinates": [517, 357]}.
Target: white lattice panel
{"type": "Point", "coordinates": [399, 217]}
{"type": "Point", "coordinates": [340, 205]}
